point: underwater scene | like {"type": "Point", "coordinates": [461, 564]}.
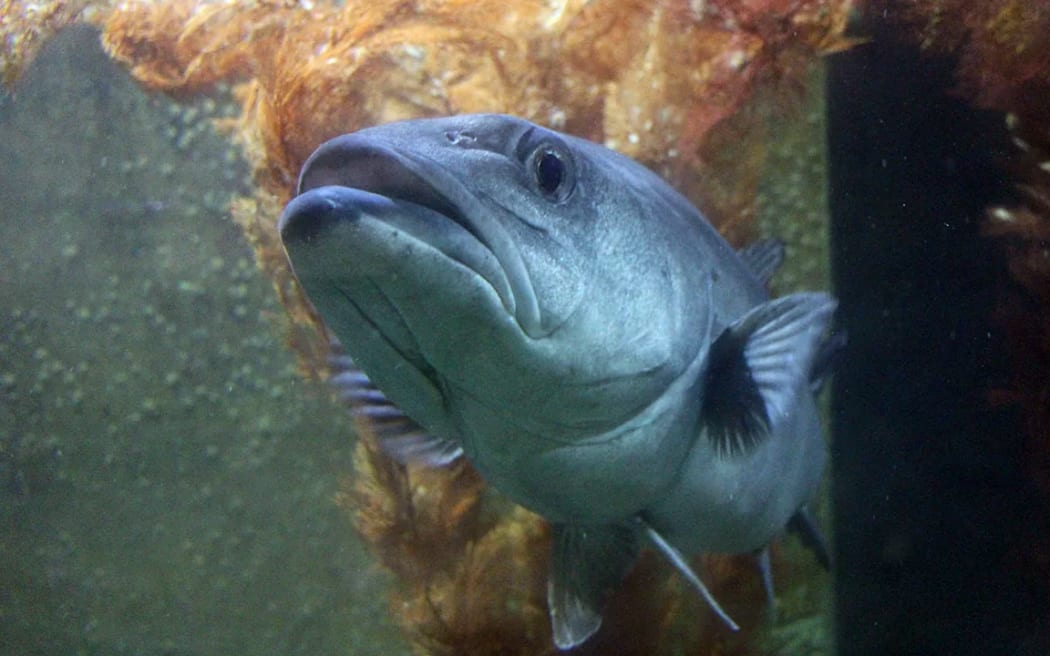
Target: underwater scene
{"type": "Point", "coordinates": [456, 327]}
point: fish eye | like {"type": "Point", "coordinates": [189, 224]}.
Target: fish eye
{"type": "Point", "coordinates": [552, 172]}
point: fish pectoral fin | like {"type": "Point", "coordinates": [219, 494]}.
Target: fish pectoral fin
{"type": "Point", "coordinates": [679, 562]}
{"type": "Point", "coordinates": [399, 436]}
{"type": "Point", "coordinates": [763, 258]}
{"type": "Point", "coordinates": [759, 365]}
{"type": "Point", "coordinates": [421, 449]}
{"type": "Point", "coordinates": [586, 563]}
{"type": "Point", "coordinates": [826, 359]}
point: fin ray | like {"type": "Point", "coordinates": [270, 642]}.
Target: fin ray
{"type": "Point", "coordinates": [675, 557]}
{"type": "Point", "coordinates": [759, 365]}
{"type": "Point", "coordinates": [400, 437]}
{"type": "Point", "coordinates": [826, 359]}
{"type": "Point", "coordinates": [763, 258]}
{"type": "Point", "coordinates": [586, 562]}
{"type": "Point", "coordinates": [765, 570]}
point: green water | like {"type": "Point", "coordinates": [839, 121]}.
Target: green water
{"type": "Point", "coordinates": [166, 479]}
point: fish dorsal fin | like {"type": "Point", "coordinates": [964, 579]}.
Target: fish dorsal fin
{"type": "Point", "coordinates": [679, 562]}
{"type": "Point", "coordinates": [759, 365]}
{"type": "Point", "coordinates": [763, 258]}
{"type": "Point", "coordinates": [586, 563]}
{"type": "Point", "coordinates": [400, 437]}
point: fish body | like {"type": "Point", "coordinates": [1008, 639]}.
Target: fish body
{"type": "Point", "coordinates": [559, 315]}
{"type": "Point", "coordinates": [736, 505]}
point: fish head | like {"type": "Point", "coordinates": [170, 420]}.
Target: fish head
{"type": "Point", "coordinates": [484, 264]}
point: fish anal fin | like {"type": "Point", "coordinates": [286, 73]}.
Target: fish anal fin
{"type": "Point", "coordinates": [805, 527]}
{"type": "Point", "coordinates": [586, 563]}
{"type": "Point", "coordinates": [759, 365]}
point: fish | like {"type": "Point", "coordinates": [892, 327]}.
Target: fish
{"type": "Point", "coordinates": [559, 315]}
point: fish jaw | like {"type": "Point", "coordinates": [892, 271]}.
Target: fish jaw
{"type": "Point", "coordinates": [347, 248]}
{"type": "Point", "coordinates": [412, 194]}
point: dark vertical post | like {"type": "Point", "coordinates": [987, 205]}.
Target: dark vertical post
{"type": "Point", "coordinates": [929, 495]}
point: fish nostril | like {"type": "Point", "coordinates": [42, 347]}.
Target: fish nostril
{"type": "Point", "coordinates": [460, 137]}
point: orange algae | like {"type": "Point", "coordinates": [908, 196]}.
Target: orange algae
{"type": "Point", "coordinates": [650, 78]}
{"type": "Point", "coordinates": [472, 581]}
{"type": "Point", "coordinates": [1002, 46]}
{"type": "Point", "coordinates": [474, 577]}
{"type": "Point", "coordinates": [669, 83]}
{"type": "Point", "coordinates": [25, 25]}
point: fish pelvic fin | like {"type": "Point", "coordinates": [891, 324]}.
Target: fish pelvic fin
{"type": "Point", "coordinates": [399, 436]}
{"type": "Point", "coordinates": [586, 563]}
{"type": "Point", "coordinates": [759, 365]}
{"type": "Point", "coordinates": [805, 527]}
{"type": "Point", "coordinates": [765, 570]}
{"type": "Point", "coordinates": [679, 562]}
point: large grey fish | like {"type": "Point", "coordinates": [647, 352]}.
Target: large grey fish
{"type": "Point", "coordinates": [559, 315]}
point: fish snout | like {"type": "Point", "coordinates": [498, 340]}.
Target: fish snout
{"type": "Point", "coordinates": [310, 216]}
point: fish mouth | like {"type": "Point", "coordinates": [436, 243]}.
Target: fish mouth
{"type": "Point", "coordinates": [442, 213]}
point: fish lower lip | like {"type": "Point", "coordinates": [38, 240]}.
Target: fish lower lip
{"type": "Point", "coordinates": [308, 216]}
{"type": "Point", "coordinates": [368, 165]}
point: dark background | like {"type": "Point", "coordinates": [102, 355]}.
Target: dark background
{"type": "Point", "coordinates": [933, 510]}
